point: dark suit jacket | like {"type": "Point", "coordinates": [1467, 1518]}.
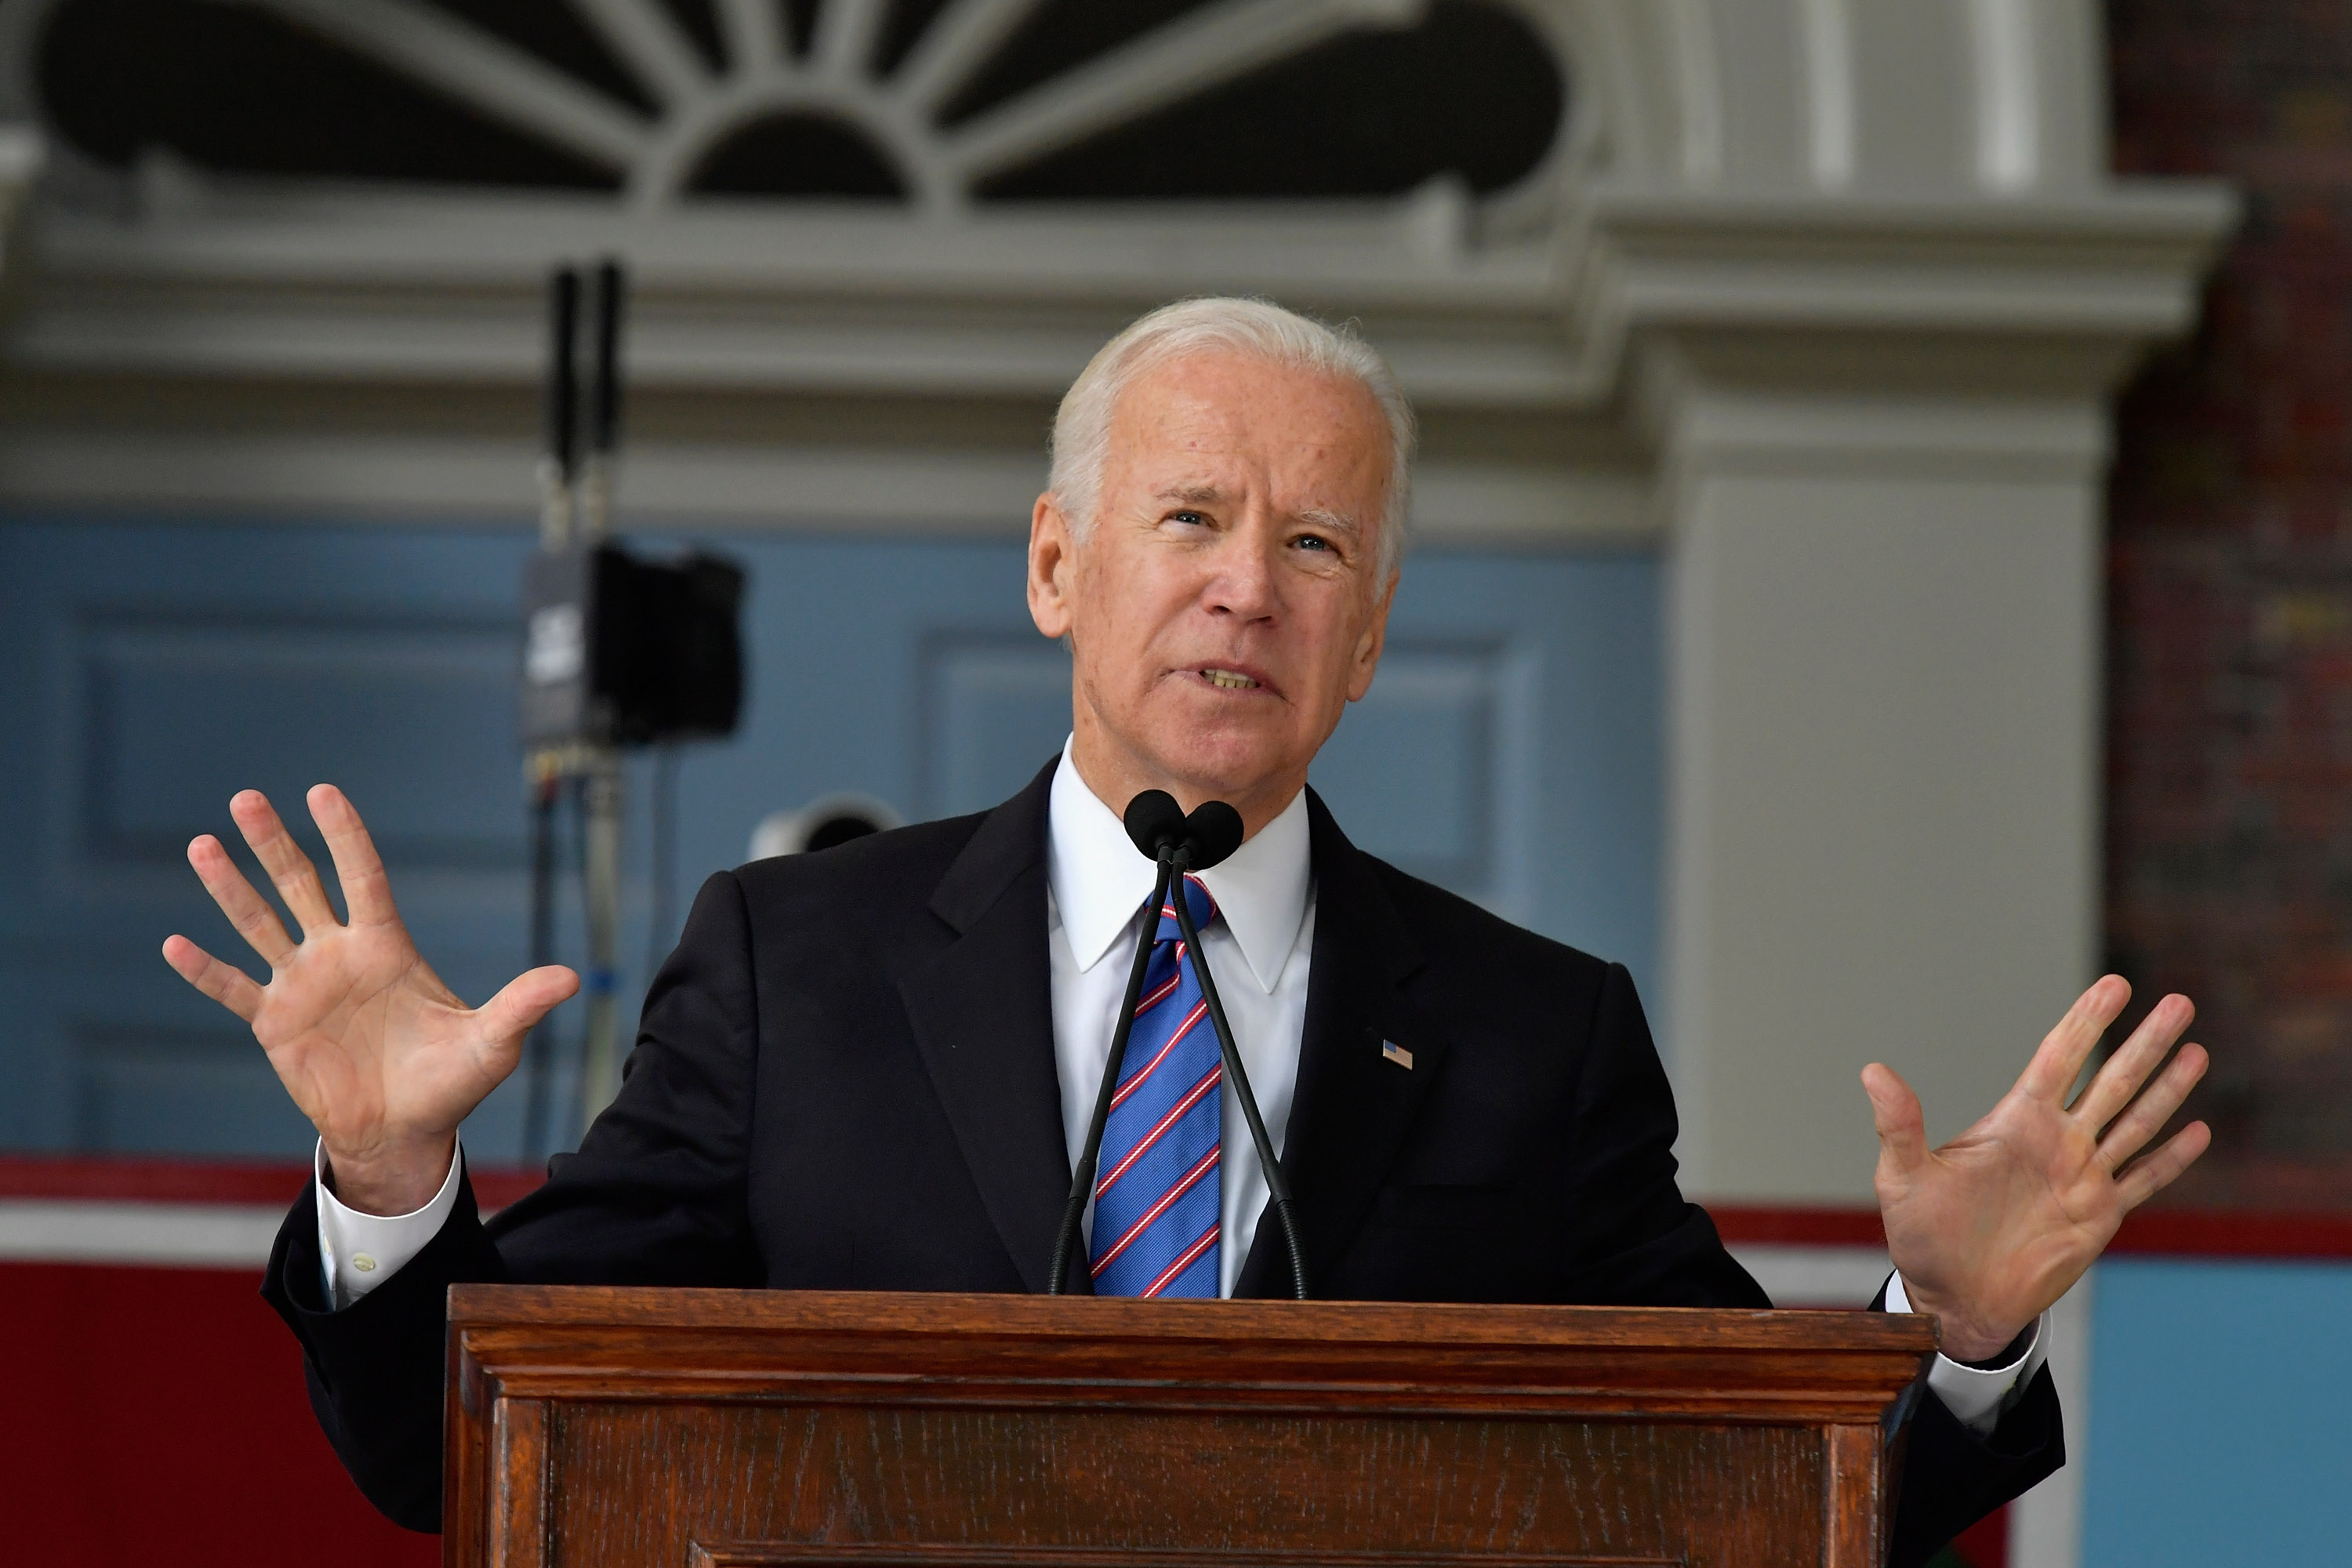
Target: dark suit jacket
{"type": "Point", "coordinates": [844, 1079]}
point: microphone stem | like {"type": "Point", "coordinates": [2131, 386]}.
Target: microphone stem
{"type": "Point", "coordinates": [1276, 1183]}
{"type": "Point", "coordinates": [1082, 1185]}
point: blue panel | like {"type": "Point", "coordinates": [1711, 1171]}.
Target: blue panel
{"type": "Point", "coordinates": [1509, 748]}
{"type": "Point", "coordinates": [191, 1093]}
{"type": "Point", "coordinates": [2217, 1414]}
{"type": "Point", "coordinates": [1570, 646]}
{"type": "Point", "coordinates": [183, 712]}
{"type": "Point", "coordinates": [995, 710]}
{"type": "Point", "coordinates": [152, 671]}
{"type": "Point", "coordinates": [1414, 769]}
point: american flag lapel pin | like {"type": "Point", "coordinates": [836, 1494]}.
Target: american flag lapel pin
{"type": "Point", "coordinates": [1391, 1051]}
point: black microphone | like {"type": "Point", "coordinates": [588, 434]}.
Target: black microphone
{"type": "Point", "coordinates": [605, 391]}
{"type": "Point", "coordinates": [1211, 833]}
{"type": "Point", "coordinates": [563, 389]}
{"type": "Point", "coordinates": [1155, 822]}
{"type": "Point", "coordinates": [1160, 829]}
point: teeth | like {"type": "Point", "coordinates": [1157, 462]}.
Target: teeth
{"type": "Point", "coordinates": [1227, 679]}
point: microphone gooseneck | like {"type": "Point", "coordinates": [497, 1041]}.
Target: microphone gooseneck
{"type": "Point", "coordinates": [1277, 1183]}
{"type": "Point", "coordinates": [1082, 1183]}
{"type": "Point", "coordinates": [1177, 843]}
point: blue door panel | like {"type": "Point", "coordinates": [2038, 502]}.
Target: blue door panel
{"type": "Point", "coordinates": [1510, 749]}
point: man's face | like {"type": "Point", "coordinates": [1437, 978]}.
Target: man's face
{"type": "Point", "coordinates": [1223, 608]}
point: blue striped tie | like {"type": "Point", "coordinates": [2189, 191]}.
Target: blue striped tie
{"type": "Point", "coordinates": [1158, 1199]}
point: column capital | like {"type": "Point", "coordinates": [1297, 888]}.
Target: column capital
{"type": "Point", "coordinates": [1749, 323]}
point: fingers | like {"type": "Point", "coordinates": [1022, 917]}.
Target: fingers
{"type": "Point", "coordinates": [2153, 1109]}
{"type": "Point", "coordinates": [2120, 1078]}
{"type": "Point", "coordinates": [2155, 1172]}
{"type": "Point", "coordinates": [290, 869]}
{"type": "Point", "coordinates": [529, 996]}
{"type": "Point", "coordinates": [367, 893]}
{"type": "Point", "coordinates": [2059, 1060]}
{"type": "Point", "coordinates": [223, 982]}
{"type": "Point", "coordinates": [248, 910]}
{"type": "Point", "coordinates": [1894, 1111]}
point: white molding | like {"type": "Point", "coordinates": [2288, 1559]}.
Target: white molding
{"type": "Point", "coordinates": [1980, 438]}
{"type": "Point", "coordinates": [333, 288]}
{"type": "Point", "coordinates": [1892, 284]}
{"type": "Point", "coordinates": [312, 478]}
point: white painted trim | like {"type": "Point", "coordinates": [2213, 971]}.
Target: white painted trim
{"type": "Point", "coordinates": [1826, 30]}
{"type": "Point", "coordinates": [1815, 1276]}
{"type": "Point", "coordinates": [1698, 88]}
{"type": "Point", "coordinates": [2045, 1525]}
{"type": "Point", "coordinates": [184, 1235]}
{"type": "Point", "coordinates": [2007, 97]}
{"type": "Point", "coordinates": [1982, 439]}
{"type": "Point", "coordinates": [266, 282]}
{"type": "Point", "coordinates": [989, 492]}
{"type": "Point", "coordinates": [494, 79]}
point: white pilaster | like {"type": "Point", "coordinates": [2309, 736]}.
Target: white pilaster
{"type": "Point", "coordinates": [1883, 752]}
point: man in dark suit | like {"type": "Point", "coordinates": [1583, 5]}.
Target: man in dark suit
{"type": "Point", "coordinates": [870, 1067]}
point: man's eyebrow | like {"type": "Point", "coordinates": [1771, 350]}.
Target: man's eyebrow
{"type": "Point", "coordinates": [1195, 495]}
{"type": "Point", "coordinates": [1339, 522]}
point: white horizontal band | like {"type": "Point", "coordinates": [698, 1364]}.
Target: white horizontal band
{"type": "Point", "coordinates": [80, 1230]}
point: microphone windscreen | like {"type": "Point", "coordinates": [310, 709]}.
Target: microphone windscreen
{"type": "Point", "coordinates": [1154, 821]}
{"type": "Point", "coordinates": [1212, 832]}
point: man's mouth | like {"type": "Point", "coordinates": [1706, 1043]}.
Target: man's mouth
{"type": "Point", "coordinates": [1227, 679]}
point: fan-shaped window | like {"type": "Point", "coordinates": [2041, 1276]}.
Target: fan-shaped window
{"type": "Point", "coordinates": [937, 100]}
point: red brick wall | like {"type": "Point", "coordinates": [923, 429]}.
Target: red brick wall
{"type": "Point", "coordinates": [2230, 582]}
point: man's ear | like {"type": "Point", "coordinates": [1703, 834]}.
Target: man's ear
{"type": "Point", "coordinates": [1366, 660]}
{"type": "Point", "coordinates": [1053, 564]}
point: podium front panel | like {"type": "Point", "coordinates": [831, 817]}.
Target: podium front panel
{"type": "Point", "coordinates": [629, 1427]}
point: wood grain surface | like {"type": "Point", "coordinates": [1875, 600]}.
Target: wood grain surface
{"type": "Point", "coordinates": [630, 1426]}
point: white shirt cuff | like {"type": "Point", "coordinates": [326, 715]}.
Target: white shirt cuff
{"type": "Point", "coordinates": [358, 1252]}
{"type": "Point", "coordinates": [1976, 1396]}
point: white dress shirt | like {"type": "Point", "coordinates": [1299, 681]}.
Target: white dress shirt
{"type": "Point", "coordinates": [1259, 950]}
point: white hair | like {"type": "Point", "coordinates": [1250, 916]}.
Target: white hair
{"type": "Point", "coordinates": [1259, 328]}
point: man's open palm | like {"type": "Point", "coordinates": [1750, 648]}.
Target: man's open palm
{"type": "Point", "coordinates": [1990, 1229]}
{"type": "Point", "coordinates": [383, 1057]}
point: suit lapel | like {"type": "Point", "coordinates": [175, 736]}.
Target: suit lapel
{"type": "Point", "coordinates": [1353, 1109]}
{"type": "Point", "coordinates": [982, 1011]}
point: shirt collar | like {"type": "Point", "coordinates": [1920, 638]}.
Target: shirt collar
{"type": "Point", "coordinates": [1100, 882]}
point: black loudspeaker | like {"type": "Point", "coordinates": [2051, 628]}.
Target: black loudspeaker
{"type": "Point", "coordinates": [620, 651]}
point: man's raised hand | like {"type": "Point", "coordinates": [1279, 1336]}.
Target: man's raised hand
{"type": "Point", "coordinates": [1994, 1227]}
{"type": "Point", "coordinates": [383, 1057]}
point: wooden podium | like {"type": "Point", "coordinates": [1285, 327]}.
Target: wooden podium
{"type": "Point", "coordinates": [724, 1430]}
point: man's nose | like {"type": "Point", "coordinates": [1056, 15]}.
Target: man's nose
{"type": "Point", "coordinates": [1242, 582]}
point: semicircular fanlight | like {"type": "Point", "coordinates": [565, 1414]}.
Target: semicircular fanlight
{"type": "Point", "coordinates": [938, 101]}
